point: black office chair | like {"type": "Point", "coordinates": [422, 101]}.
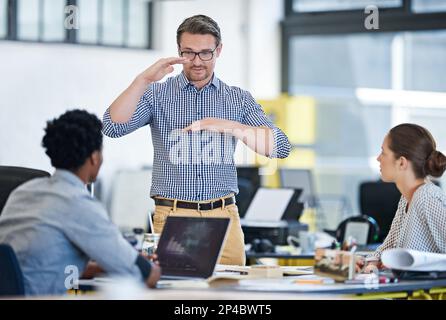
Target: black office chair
{"type": "Point", "coordinates": [11, 277]}
{"type": "Point", "coordinates": [369, 223]}
{"type": "Point", "coordinates": [379, 200]}
{"type": "Point", "coordinates": [12, 177]}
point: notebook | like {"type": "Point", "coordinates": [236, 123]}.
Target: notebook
{"type": "Point", "coordinates": [189, 247]}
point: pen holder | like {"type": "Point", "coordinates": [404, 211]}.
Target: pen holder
{"type": "Point", "coordinates": [336, 264]}
{"type": "Point", "coordinates": [150, 243]}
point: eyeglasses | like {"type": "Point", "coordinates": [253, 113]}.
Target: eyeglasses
{"type": "Point", "coordinates": [203, 55]}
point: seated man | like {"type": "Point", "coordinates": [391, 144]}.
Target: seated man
{"type": "Point", "coordinates": [55, 226]}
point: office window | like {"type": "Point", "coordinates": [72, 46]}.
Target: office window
{"type": "Point", "coordinates": [425, 56]}
{"type": "Point", "coordinates": [138, 24]}
{"type": "Point", "coordinates": [3, 20]}
{"type": "Point", "coordinates": [335, 5]}
{"type": "Point", "coordinates": [28, 26]}
{"type": "Point", "coordinates": [120, 23]}
{"type": "Point", "coordinates": [344, 61]}
{"type": "Point", "coordinates": [364, 82]}
{"type": "Point", "coordinates": [53, 20]}
{"type": "Point", "coordinates": [89, 17]}
{"type": "Point", "coordinates": [113, 22]}
{"type": "Point", "coordinates": [428, 5]}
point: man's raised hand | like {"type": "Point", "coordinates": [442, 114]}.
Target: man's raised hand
{"type": "Point", "coordinates": [159, 69]}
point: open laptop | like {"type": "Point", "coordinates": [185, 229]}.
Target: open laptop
{"type": "Point", "coordinates": [189, 247]}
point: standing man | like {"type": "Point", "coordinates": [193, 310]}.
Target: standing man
{"type": "Point", "coordinates": [196, 120]}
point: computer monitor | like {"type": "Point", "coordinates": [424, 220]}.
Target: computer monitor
{"type": "Point", "coordinates": [248, 183]}
{"type": "Point", "coordinates": [130, 204]}
{"type": "Point", "coordinates": [300, 179]}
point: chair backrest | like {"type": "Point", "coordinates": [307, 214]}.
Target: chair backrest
{"type": "Point", "coordinates": [11, 277]}
{"type": "Point", "coordinates": [379, 200]}
{"type": "Point", "coordinates": [363, 228]}
{"type": "Point", "coordinates": [12, 177]}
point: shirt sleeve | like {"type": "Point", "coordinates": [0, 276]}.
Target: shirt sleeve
{"type": "Point", "coordinates": [94, 234]}
{"type": "Point", "coordinates": [434, 211]}
{"type": "Point", "coordinates": [254, 116]}
{"type": "Point", "coordinates": [142, 116]}
{"type": "Point", "coordinates": [392, 236]}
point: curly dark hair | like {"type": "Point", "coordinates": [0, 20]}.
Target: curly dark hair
{"type": "Point", "coordinates": [70, 139]}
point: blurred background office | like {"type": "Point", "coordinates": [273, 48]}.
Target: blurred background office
{"type": "Point", "coordinates": [334, 86]}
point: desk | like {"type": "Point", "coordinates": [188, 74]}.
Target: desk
{"type": "Point", "coordinates": [286, 288]}
{"type": "Point", "coordinates": [217, 292]}
{"type": "Point", "coordinates": [426, 289]}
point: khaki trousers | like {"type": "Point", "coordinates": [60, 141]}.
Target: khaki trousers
{"type": "Point", "coordinates": [234, 246]}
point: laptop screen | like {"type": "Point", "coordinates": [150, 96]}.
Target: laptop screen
{"type": "Point", "coordinates": [190, 247]}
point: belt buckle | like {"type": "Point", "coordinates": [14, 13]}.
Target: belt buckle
{"type": "Point", "coordinates": [199, 205]}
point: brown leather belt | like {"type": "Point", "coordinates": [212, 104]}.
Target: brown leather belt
{"type": "Point", "coordinates": [195, 205]}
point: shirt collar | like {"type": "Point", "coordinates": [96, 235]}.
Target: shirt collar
{"type": "Point", "coordinates": [184, 82]}
{"type": "Point", "coordinates": [215, 82]}
{"type": "Point", "coordinates": [69, 177]}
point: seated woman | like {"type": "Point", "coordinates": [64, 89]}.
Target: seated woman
{"type": "Point", "coordinates": [407, 158]}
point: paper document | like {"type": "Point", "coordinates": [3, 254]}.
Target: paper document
{"type": "Point", "coordinates": [412, 260]}
{"type": "Point", "coordinates": [269, 204]}
{"type": "Point", "coordinates": [288, 270]}
{"type": "Point", "coordinates": [175, 284]}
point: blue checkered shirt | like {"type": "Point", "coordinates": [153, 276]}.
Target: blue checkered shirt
{"type": "Point", "coordinates": [194, 166]}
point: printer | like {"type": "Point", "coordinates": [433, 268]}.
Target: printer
{"type": "Point", "coordinates": [275, 231]}
{"type": "Point", "coordinates": [273, 214]}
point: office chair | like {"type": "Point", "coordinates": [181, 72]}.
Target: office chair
{"type": "Point", "coordinates": [11, 277]}
{"type": "Point", "coordinates": [12, 177]}
{"type": "Point", "coordinates": [355, 226]}
{"type": "Point", "coordinates": [379, 200]}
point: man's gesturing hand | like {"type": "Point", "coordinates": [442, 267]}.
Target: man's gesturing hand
{"type": "Point", "coordinates": [213, 124]}
{"type": "Point", "coordinates": [259, 139]}
{"type": "Point", "coordinates": [159, 69]}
